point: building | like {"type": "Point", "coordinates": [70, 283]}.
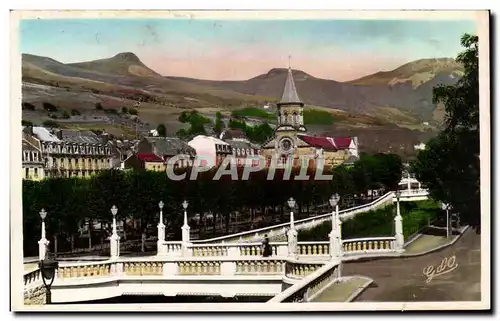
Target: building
{"type": "Point", "coordinates": [291, 139]}
{"type": "Point", "coordinates": [69, 153]}
{"type": "Point", "coordinates": [32, 161]}
{"type": "Point", "coordinates": [166, 148]}
{"type": "Point", "coordinates": [120, 151]}
{"type": "Point", "coordinates": [210, 150]}
{"type": "Point", "coordinates": [145, 161]}
{"type": "Point", "coordinates": [243, 151]}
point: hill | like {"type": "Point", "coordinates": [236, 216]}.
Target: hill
{"type": "Point", "coordinates": [406, 91]}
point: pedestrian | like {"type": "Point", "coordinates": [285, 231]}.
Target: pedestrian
{"type": "Point", "coordinates": [266, 247]}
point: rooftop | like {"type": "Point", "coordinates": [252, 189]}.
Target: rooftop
{"type": "Point", "coordinates": [149, 157]}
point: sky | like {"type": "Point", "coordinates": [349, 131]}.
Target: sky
{"type": "Point", "coordinates": [241, 49]}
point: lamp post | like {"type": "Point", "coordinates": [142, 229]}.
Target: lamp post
{"type": "Point", "coordinates": [398, 222]}
{"type": "Point", "coordinates": [335, 236]}
{"type": "Point", "coordinates": [161, 231]}
{"type": "Point", "coordinates": [43, 243]}
{"type": "Point", "coordinates": [292, 233]}
{"type": "Point", "coordinates": [114, 239]}
{"type": "Point", "coordinates": [48, 269]}
{"type": "Point", "coordinates": [185, 230]}
{"type": "Point", "coordinates": [446, 207]}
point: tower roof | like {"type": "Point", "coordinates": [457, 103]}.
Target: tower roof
{"type": "Point", "coordinates": [290, 95]}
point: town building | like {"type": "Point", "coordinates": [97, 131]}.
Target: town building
{"type": "Point", "coordinates": [145, 161]}
{"type": "Point", "coordinates": [166, 148]}
{"type": "Point", "coordinates": [32, 161]}
{"type": "Point", "coordinates": [243, 151]}
{"type": "Point", "coordinates": [211, 150]}
{"type": "Point", "coordinates": [291, 139]}
{"type": "Point", "coordinates": [69, 153]}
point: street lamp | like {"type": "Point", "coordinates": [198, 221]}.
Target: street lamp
{"type": "Point", "coordinates": [185, 230]}
{"type": "Point", "coordinates": [114, 239]}
{"type": "Point", "coordinates": [48, 269]}
{"type": "Point", "coordinates": [291, 204]}
{"type": "Point", "coordinates": [446, 207]}
{"type": "Point", "coordinates": [43, 243]}
{"type": "Point", "coordinates": [398, 222]}
{"type": "Point", "coordinates": [160, 205]}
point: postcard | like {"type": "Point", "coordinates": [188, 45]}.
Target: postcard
{"type": "Point", "coordinates": [250, 160]}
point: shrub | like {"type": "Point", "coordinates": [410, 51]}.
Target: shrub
{"type": "Point", "coordinates": [75, 112]}
{"type": "Point", "coordinates": [28, 106]}
{"type": "Point", "coordinates": [133, 111]}
{"type": "Point", "coordinates": [111, 111]}
{"type": "Point", "coordinates": [26, 123]}
{"type": "Point", "coordinates": [98, 106]}
{"type": "Point", "coordinates": [53, 116]}
{"type": "Point", "coordinates": [124, 110]}
{"type": "Point", "coordinates": [49, 107]}
{"type": "Point", "coordinates": [50, 123]}
{"type": "Point", "coordinates": [65, 114]}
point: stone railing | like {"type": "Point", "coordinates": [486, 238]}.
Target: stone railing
{"type": "Point", "coordinates": [411, 192]}
{"type": "Point", "coordinates": [32, 278]}
{"type": "Point", "coordinates": [315, 248]}
{"type": "Point", "coordinates": [235, 250]}
{"type": "Point", "coordinates": [368, 245]}
{"type": "Point", "coordinates": [280, 229]}
{"type": "Point", "coordinates": [311, 285]}
{"type": "Point", "coordinates": [298, 269]}
{"type": "Point", "coordinates": [34, 290]}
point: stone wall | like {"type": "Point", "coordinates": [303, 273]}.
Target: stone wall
{"type": "Point", "coordinates": [35, 295]}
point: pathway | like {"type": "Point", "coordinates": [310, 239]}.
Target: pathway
{"type": "Point", "coordinates": [402, 279]}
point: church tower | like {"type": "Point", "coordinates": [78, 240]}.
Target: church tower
{"type": "Point", "coordinates": [290, 118]}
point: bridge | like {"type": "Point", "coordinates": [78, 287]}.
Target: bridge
{"type": "Point", "coordinates": [226, 266]}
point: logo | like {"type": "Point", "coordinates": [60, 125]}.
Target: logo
{"type": "Point", "coordinates": [447, 265]}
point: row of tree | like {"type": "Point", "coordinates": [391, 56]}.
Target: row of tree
{"type": "Point", "coordinates": [72, 202]}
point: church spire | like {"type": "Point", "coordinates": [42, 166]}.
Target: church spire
{"type": "Point", "coordinates": [290, 95]}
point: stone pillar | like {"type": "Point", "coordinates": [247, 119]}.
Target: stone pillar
{"type": "Point", "coordinates": [160, 246]}
{"type": "Point", "coordinates": [408, 183]}
{"type": "Point", "coordinates": [185, 231]}
{"type": "Point", "coordinates": [114, 246]}
{"type": "Point", "coordinates": [43, 244]}
{"type": "Point", "coordinates": [398, 221]}
{"type": "Point", "coordinates": [292, 237]}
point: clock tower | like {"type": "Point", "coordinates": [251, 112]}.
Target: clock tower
{"type": "Point", "coordinates": [290, 118]}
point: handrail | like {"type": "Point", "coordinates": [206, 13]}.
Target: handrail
{"type": "Point", "coordinates": [309, 219]}
{"type": "Point", "coordinates": [304, 282]}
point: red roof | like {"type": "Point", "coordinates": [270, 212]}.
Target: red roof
{"type": "Point", "coordinates": [149, 157]}
{"type": "Point", "coordinates": [327, 143]}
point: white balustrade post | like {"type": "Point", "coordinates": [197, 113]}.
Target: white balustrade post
{"type": "Point", "coordinates": [114, 239]}
{"type": "Point", "coordinates": [408, 183]}
{"type": "Point", "coordinates": [398, 221]}
{"type": "Point", "coordinates": [339, 233]}
{"type": "Point", "coordinates": [185, 231]}
{"type": "Point", "coordinates": [334, 234]}
{"type": "Point", "coordinates": [160, 244]}
{"type": "Point", "coordinates": [43, 243]}
{"type": "Point", "coordinates": [292, 233]}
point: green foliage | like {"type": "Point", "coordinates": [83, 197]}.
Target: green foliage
{"type": "Point", "coordinates": [53, 116]}
{"type": "Point", "coordinates": [98, 106]}
{"type": "Point", "coordinates": [196, 121]}
{"type": "Point", "coordinates": [253, 112]}
{"type": "Point", "coordinates": [111, 111]}
{"type": "Point", "coordinates": [133, 111]}
{"type": "Point", "coordinates": [124, 110]}
{"type": "Point", "coordinates": [28, 106]}
{"type": "Point", "coordinates": [75, 112]}
{"type": "Point", "coordinates": [50, 123]}
{"type": "Point", "coordinates": [449, 167]}
{"type": "Point", "coordinates": [65, 115]}
{"type": "Point", "coordinates": [219, 125]}
{"type": "Point", "coordinates": [380, 222]}
{"type": "Point", "coordinates": [318, 117]}
{"type": "Point", "coordinates": [257, 134]}
{"type": "Point", "coordinates": [49, 107]}
{"type": "Point", "coordinates": [26, 123]}
{"type": "Point", "coordinates": [162, 130]}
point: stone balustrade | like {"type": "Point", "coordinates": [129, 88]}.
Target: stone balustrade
{"type": "Point", "coordinates": [297, 269]}
{"type": "Point", "coordinates": [32, 278]}
{"type": "Point", "coordinates": [313, 248]}
{"type": "Point", "coordinates": [311, 285]}
{"type": "Point", "coordinates": [367, 245]}
{"type": "Point", "coordinates": [276, 231]}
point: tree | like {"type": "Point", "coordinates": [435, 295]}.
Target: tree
{"type": "Point", "coordinates": [28, 106]}
{"type": "Point", "coordinates": [449, 167]}
{"type": "Point", "coordinates": [65, 115]}
{"type": "Point", "coordinates": [26, 123]}
{"type": "Point", "coordinates": [124, 110]}
{"type": "Point", "coordinates": [162, 130]}
{"type": "Point", "coordinates": [75, 112]}
{"type": "Point", "coordinates": [49, 107]}
{"type": "Point", "coordinates": [219, 125]}
{"type": "Point", "coordinates": [98, 106]}
{"type": "Point", "coordinates": [133, 111]}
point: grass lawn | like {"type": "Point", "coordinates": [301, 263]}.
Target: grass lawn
{"type": "Point", "coordinates": [340, 292]}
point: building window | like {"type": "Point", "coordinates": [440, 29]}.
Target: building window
{"type": "Point", "coordinates": [26, 173]}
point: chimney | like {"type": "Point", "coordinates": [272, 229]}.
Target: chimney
{"type": "Point", "coordinates": [59, 134]}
